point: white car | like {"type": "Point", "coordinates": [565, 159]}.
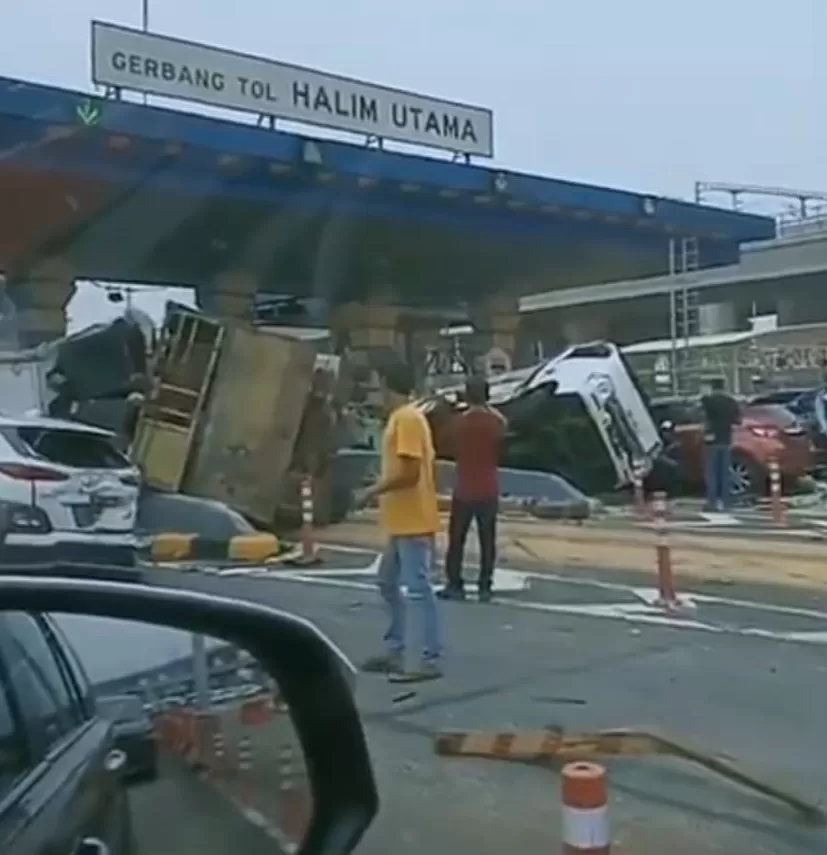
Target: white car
{"type": "Point", "coordinates": [65, 483]}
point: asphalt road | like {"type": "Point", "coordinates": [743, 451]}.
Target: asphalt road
{"type": "Point", "coordinates": [757, 698]}
{"type": "Point", "coordinates": [179, 815]}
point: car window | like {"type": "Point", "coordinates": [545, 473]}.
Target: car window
{"type": "Point", "coordinates": [76, 673]}
{"type": "Point", "coordinates": [72, 448]}
{"type": "Point", "coordinates": [47, 698]}
{"type": "Point", "coordinates": [13, 743]}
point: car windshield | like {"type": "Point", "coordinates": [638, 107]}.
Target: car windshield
{"type": "Point", "coordinates": [274, 249]}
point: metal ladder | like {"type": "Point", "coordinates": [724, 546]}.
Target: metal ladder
{"type": "Point", "coordinates": [684, 258]}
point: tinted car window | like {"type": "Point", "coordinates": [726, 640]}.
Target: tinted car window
{"type": "Point", "coordinates": [13, 748]}
{"type": "Point", "coordinates": [48, 699]}
{"type": "Point", "coordinates": [72, 448]}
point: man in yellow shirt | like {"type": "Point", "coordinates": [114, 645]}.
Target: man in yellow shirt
{"type": "Point", "coordinates": [409, 519]}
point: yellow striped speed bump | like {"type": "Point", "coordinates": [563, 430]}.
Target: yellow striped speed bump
{"type": "Point", "coordinates": [255, 547]}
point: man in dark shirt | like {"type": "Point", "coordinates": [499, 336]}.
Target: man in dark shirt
{"type": "Point", "coordinates": [721, 413]}
{"type": "Point", "coordinates": [475, 436]}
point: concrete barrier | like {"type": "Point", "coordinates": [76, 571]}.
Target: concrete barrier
{"type": "Point", "coordinates": [542, 494]}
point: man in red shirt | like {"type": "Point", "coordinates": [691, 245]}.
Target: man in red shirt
{"type": "Point", "coordinates": [475, 436]}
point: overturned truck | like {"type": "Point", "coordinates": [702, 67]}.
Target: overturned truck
{"type": "Point", "coordinates": [223, 414]}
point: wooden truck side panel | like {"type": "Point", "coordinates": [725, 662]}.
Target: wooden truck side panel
{"type": "Point", "coordinates": [250, 421]}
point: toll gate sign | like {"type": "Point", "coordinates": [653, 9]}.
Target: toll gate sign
{"type": "Point", "coordinates": [146, 62]}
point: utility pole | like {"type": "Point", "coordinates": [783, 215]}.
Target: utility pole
{"type": "Point", "coordinates": [200, 672]}
{"type": "Point", "coordinates": [145, 27]}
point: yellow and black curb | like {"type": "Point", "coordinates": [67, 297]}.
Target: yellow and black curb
{"type": "Point", "coordinates": [171, 546]}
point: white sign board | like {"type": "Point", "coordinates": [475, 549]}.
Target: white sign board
{"type": "Point", "coordinates": [145, 62]}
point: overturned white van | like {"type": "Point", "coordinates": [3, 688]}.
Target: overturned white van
{"type": "Point", "coordinates": [581, 415]}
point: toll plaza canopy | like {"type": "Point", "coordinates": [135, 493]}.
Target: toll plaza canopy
{"type": "Point", "coordinates": [126, 192]}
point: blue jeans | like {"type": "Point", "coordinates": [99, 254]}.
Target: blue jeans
{"type": "Point", "coordinates": [717, 462]}
{"type": "Point", "coordinates": [407, 561]}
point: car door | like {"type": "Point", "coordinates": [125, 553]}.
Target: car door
{"type": "Point", "coordinates": [17, 768]}
{"type": "Point", "coordinates": [69, 803]}
{"type": "Point", "coordinates": [109, 816]}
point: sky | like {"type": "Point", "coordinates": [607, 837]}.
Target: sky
{"type": "Point", "coordinates": [645, 95]}
{"type": "Point", "coordinates": [91, 304]}
{"type": "Point", "coordinates": [642, 94]}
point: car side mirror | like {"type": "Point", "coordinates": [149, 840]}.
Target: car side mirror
{"type": "Point", "coordinates": [303, 682]}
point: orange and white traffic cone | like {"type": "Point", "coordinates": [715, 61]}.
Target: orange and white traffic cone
{"type": "Point", "coordinates": [308, 555]}
{"type": "Point", "coordinates": [245, 771]}
{"type": "Point", "coordinates": [218, 767]}
{"type": "Point", "coordinates": [641, 511]}
{"type": "Point", "coordinates": [295, 814]}
{"type": "Point", "coordinates": [667, 597]}
{"type": "Point", "coordinates": [585, 810]}
{"type": "Point", "coordinates": [779, 512]}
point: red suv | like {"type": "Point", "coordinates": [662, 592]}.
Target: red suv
{"type": "Point", "coordinates": [767, 432]}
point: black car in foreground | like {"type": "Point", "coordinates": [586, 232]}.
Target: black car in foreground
{"type": "Point", "coordinates": [134, 734]}
{"type": "Point", "coordinates": [61, 788]}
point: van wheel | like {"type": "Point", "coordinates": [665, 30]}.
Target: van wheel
{"type": "Point", "coordinates": [746, 477]}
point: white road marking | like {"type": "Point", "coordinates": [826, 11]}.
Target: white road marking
{"type": "Point", "coordinates": [631, 613]}
{"type": "Point", "coordinates": [510, 581]}
{"type": "Point", "coordinates": [745, 529]}
{"type": "Point", "coordinates": [811, 637]}
{"type": "Point", "coordinates": [651, 597]}
{"type": "Point", "coordinates": [644, 612]}
{"type": "Point", "coordinates": [720, 518]}
{"type": "Point", "coordinates": [642, 593]}
{"type": "Point", "coordinates": [351, 550]}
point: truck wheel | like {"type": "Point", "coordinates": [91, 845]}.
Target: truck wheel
{"type": "Point", "coordinates": [746, 477]}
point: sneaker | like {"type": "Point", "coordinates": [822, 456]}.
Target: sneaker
{"type": "Point", "coordinates": [485, 595]}
{"type": "Point", "coordinates": [427, 670]}
{"type": "Point", "coordinates": [386, 663]}
{"type": "Point", "coordinates": [450, 592]}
